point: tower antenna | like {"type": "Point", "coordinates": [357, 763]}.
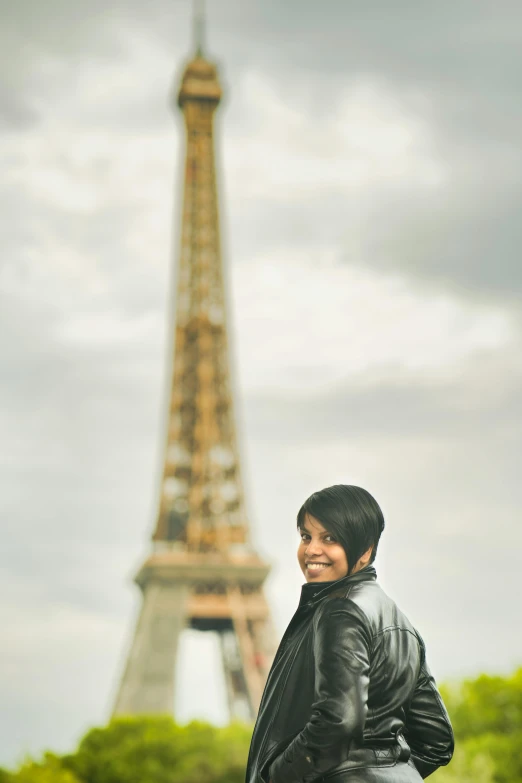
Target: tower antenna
{"type": "Point", "coordinates": [198, 22]}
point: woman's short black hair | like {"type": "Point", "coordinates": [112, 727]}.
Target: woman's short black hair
{"type": "Point", "coordinates": [350, 514]}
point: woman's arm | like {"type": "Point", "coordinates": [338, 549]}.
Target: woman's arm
{"type": "Point", "coordinates": [341, 654]}
{"type": "Point", "coordinates": [428, 729]}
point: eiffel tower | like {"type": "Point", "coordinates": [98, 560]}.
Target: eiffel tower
{"type": "Point", "coordinates": [203, 572]}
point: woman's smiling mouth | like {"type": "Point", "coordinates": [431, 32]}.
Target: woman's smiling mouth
{"type": "Point", "coordinates": [317, 566]}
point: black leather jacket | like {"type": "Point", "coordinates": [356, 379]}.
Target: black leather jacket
{"type": "Point", "coordinates": [349, 689]}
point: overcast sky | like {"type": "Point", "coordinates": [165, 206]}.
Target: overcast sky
{"type": "Point", "coordinates": [371, 184]}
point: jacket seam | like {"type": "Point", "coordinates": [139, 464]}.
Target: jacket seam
{"type": "Point", "coordinates": [346, 769]}
{"type": "Point", "coordinates": [393, 628]}
{"type": "Point", "coordinates": [440, 703]}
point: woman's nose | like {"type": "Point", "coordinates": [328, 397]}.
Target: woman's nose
{"type": "Point", "coordinates": [313, 548]}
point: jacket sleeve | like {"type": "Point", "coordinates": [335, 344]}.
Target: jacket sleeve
{"type": "Point", "coordinates": [428, 729]}
{"type": "Point", "coordinates": [341, 661]}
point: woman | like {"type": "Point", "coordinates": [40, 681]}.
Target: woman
{"type": "Point", "coordinates": [349, 696]}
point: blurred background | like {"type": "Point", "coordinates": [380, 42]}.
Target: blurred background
{"type": "Point", "coordinates": [371, 192]}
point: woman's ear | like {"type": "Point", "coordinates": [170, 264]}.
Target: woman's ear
{"type": "Point", "coordinates": [365, 559]}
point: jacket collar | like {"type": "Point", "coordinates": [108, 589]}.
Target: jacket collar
{"type": "Point", "coordinates": [312, 593]}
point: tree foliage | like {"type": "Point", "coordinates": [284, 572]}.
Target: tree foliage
{"type": "Point", "coordinates": [157, 750]}
{"type": "Point", "coordinates": [486, 713]}
{"type": "Point", "coordinates": [147, 750]}
{"type": "Point", "coordinates": [49, 770]}
{"type": "Point", "coordinates": [486, 705]}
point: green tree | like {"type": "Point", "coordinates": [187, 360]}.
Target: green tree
{"type": "Point", "coordinates": [157, 750]}
{"type": "Point", "coordinates": [49, 770]}
{"type": "Point", "coordinates": [486, 714]}
{"type": "Point", "coordinates": [487, 704]}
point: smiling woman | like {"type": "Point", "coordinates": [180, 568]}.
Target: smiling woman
{"type": "Point", "coordinates": [323, 553]}
{"type": "Point", "coordinates": [320, 556]}
{"type": "Point", "coordinates": [350, 695]}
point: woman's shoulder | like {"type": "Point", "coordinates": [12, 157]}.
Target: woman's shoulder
{"type": "Point", "coordinates": [370, 604]}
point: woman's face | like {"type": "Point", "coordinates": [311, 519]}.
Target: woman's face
{"type": "Point", "coordinates": [321, 557]}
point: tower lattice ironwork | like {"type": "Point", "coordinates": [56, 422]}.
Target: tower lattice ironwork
{"type": "Point", "coordinates": [203, 571]}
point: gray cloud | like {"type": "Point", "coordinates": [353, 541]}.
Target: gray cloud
{"type": "Point", "coordinates": [15, 112]}
{"type": "Point", "coordinates": [457, 67]}
{"type": "Point", "coordinates": [466, 234]}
